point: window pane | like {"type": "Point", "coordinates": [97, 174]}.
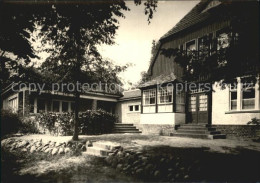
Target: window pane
{"type": "Point", "coordinates": [233, 104]}
{"type": "Point", "coordinates": [131, 108]}
{"type": "Point", "coordinates": [136, 107]}
{"type": "Point", "coordinates": [248, 101]}
{"type": "Point", "coordinates": [56, 106]}
{"type": "Point", "coordinates": [152, 100]}
{"type": "Point", "coordinates": [65, 106]}
{"type": "Point", "coordinates": [250, 93]}
{"type": "Point", "coordinates": [40, 105]}
{"type": "Point", "coordinates": [72, 106]}
{"type": "Point", "coordinates": [233, 95]}
{"type": "Point", "coordinates": [31, 105]}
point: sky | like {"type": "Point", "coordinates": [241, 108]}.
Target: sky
{"type": "Point", "coordinates": [134, 36]}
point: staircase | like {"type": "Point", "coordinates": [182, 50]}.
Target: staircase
{"type": "Point", "coordinates": [125, 128]}
{"type": "Point", "coordinates": [201, 131]}
{"type": "Point", "coordinates": [101, 149]}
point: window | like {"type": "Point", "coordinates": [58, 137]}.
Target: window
{"type": "Point", "coordinates": [191, 48]}
{"type": "Point", "coordinates": [149, 97]}
{"type": "Point", "coordinates": [65, 106]}
{"type": "Point", "coordinates": [72, 106]}
{"type": "Point", "coordinates": [222, 40]}
{"type": "Point", "coordinates": [13, 104]}
{"type": "Point", "coordinates": [180, 101]}
{"type": "Point", "coordinates": [31, 104]}
{"type": "Point", "coordinates": [56, 106]}
{"type": "Point", "coordinates": [40, 105]}
{"type": "Point", "coordinates": [165, 95]}
{"type": "Point", "coordinates": [248, 96]}
{"type": "Point", "coordinates": [133, 108]}
{"type": "Point", "coordinates": [204, 45]}
{"type": "Point", "coordinates": [233, 97]}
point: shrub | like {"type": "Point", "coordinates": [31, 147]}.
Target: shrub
{"type": "Point", "coordinates": [10, 122]}
{"type": "Point", "coordinates": [96, 122]}
{"type": "Point", "coordinates": [254, 121]}
{"type": "Point", "coordinates": [57, 124]}
{"type": "Point", "coordinates": [29, 125]}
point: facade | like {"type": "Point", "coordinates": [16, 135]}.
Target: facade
{"type": "Point", "coordinates": [159, 105]}
{"type": "Point", "coordinates": [28, 103]}
{"type": "Point", "coordinates": [128, 107]}
{"type": "Point", "coordinates": [163, 106]}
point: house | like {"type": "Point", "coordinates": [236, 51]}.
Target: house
{"type": "Point", "coordinates": [166, 102]}
{"type": "Point", "coordinates": [165, 106]}
{"type": "Point", "coordinates": [28, 102]}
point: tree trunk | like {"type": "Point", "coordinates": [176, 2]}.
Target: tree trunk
{"type": "Point", "coordinates": [76, 117]}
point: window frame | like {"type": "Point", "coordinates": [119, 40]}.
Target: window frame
{"type": "Point", "coordinates": [133, 105]}
{"type": "Point", "coordinates": [149, 91]}
{"type": "Point", "coordinates": [165, 96]}
{"type": "Point", "coordinates": [230, 98]}
{"type": "Point", "coordinates": [242, 92]}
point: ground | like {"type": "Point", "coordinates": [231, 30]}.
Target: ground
{"type": "Point", "coordinates": [40, 168]}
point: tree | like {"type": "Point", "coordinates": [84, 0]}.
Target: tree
{"type": "Point", "coordinates": [16, 22]}
{"type": "Point", "coordinates": [75, 30]}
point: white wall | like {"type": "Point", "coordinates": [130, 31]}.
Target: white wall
{"type": "Point", "coordinates": [163, 118]}
{"type": "Point", "coordinates": [221, 114]}
{"type": "Point", "coordinates": [123, 112]}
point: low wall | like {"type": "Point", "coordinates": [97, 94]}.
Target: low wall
{"type": "Point", "coordinates": [156, 129]}
{"type": "Point", "coordinates": [239, 131]}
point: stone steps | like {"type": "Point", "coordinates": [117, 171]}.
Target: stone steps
{"type": "Point", "coordinates": [198, 131]}
{"type": "Point", "coordinates": [101, 149]}
{"type": "Point", "coordinates": [125, 128]}
{"type": "Point", "coordinates": [202, 131]}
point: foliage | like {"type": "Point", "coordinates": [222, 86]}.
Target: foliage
{"type": "Point", "coordinates": [97, 122]}
{"type": "Point", "coordinates": [29, 125]}
{"type": "Point", "coordinates": [57, 124]}
{"type": "Point", "coordinates": [10, 122]}
{"type": "Point", "coordinates": [73, 30]}
{"type": "Point", "coordinates": [254, 121]}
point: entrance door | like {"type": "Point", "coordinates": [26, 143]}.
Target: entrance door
{"type": "Point", "coordinates": [198, 108]}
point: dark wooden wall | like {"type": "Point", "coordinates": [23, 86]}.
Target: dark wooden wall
{"type": "Point", "coordinates": [164, 65]}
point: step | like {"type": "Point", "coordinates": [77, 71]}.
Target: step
{"type": "Point", "coordinates": [116, 129]}
{"type": "Point", "coordinates": [96, 151]}
{"type": "Point", "coordinates": [106, 145]}
{"type": "Point", "coordinates": [125, 127]}
{"type": "Point", "coordinates": [198, 131]}
{"type": "Point", "coordinates": [197, 128]}
{"type": "Point", "coordinates": [219, 136]}
{"type": "Point", "coordinates": [123, 124]}
{"type": "Point", "coordinates": [190, 135]}
{"type": "Point", "coordinates": [126, 132]}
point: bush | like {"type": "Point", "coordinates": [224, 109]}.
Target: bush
{"type": "Point", "coordinates": [10, 122]}
{"type": "Point", "coordinates": [57, 124]}
{"type": "Point", "coordinates": [254, 121]}
{"type": "Point", "coordinates": [96, 122]}
{"type": "Point", "coordinates": [29, 126]}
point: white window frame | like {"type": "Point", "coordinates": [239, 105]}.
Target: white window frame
{"type": "Point", "coordinates": [235, 89]}
{"type": "Point", "coordinates": [133, 105]}
{"type": "Point", "coordinates": [178, 100]}
{"type": "Point", "coordinates": [165, 91]}
{"type": "Point", "coordinates": [151, 92]}
{"type": "Point", "coordinates": [240, 89]}
{"type": "Point", "coordinates": [248, 87]}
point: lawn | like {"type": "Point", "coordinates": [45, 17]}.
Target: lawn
{"type": "Point", "coordinates": [220, 160]}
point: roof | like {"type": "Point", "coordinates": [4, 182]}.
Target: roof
{"type": "Point", "coordinates": [159, 80]}
{"type": "Point", "coordinates": [195, 16]}
{"type": "Point", "coordinates": [131, 94]}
